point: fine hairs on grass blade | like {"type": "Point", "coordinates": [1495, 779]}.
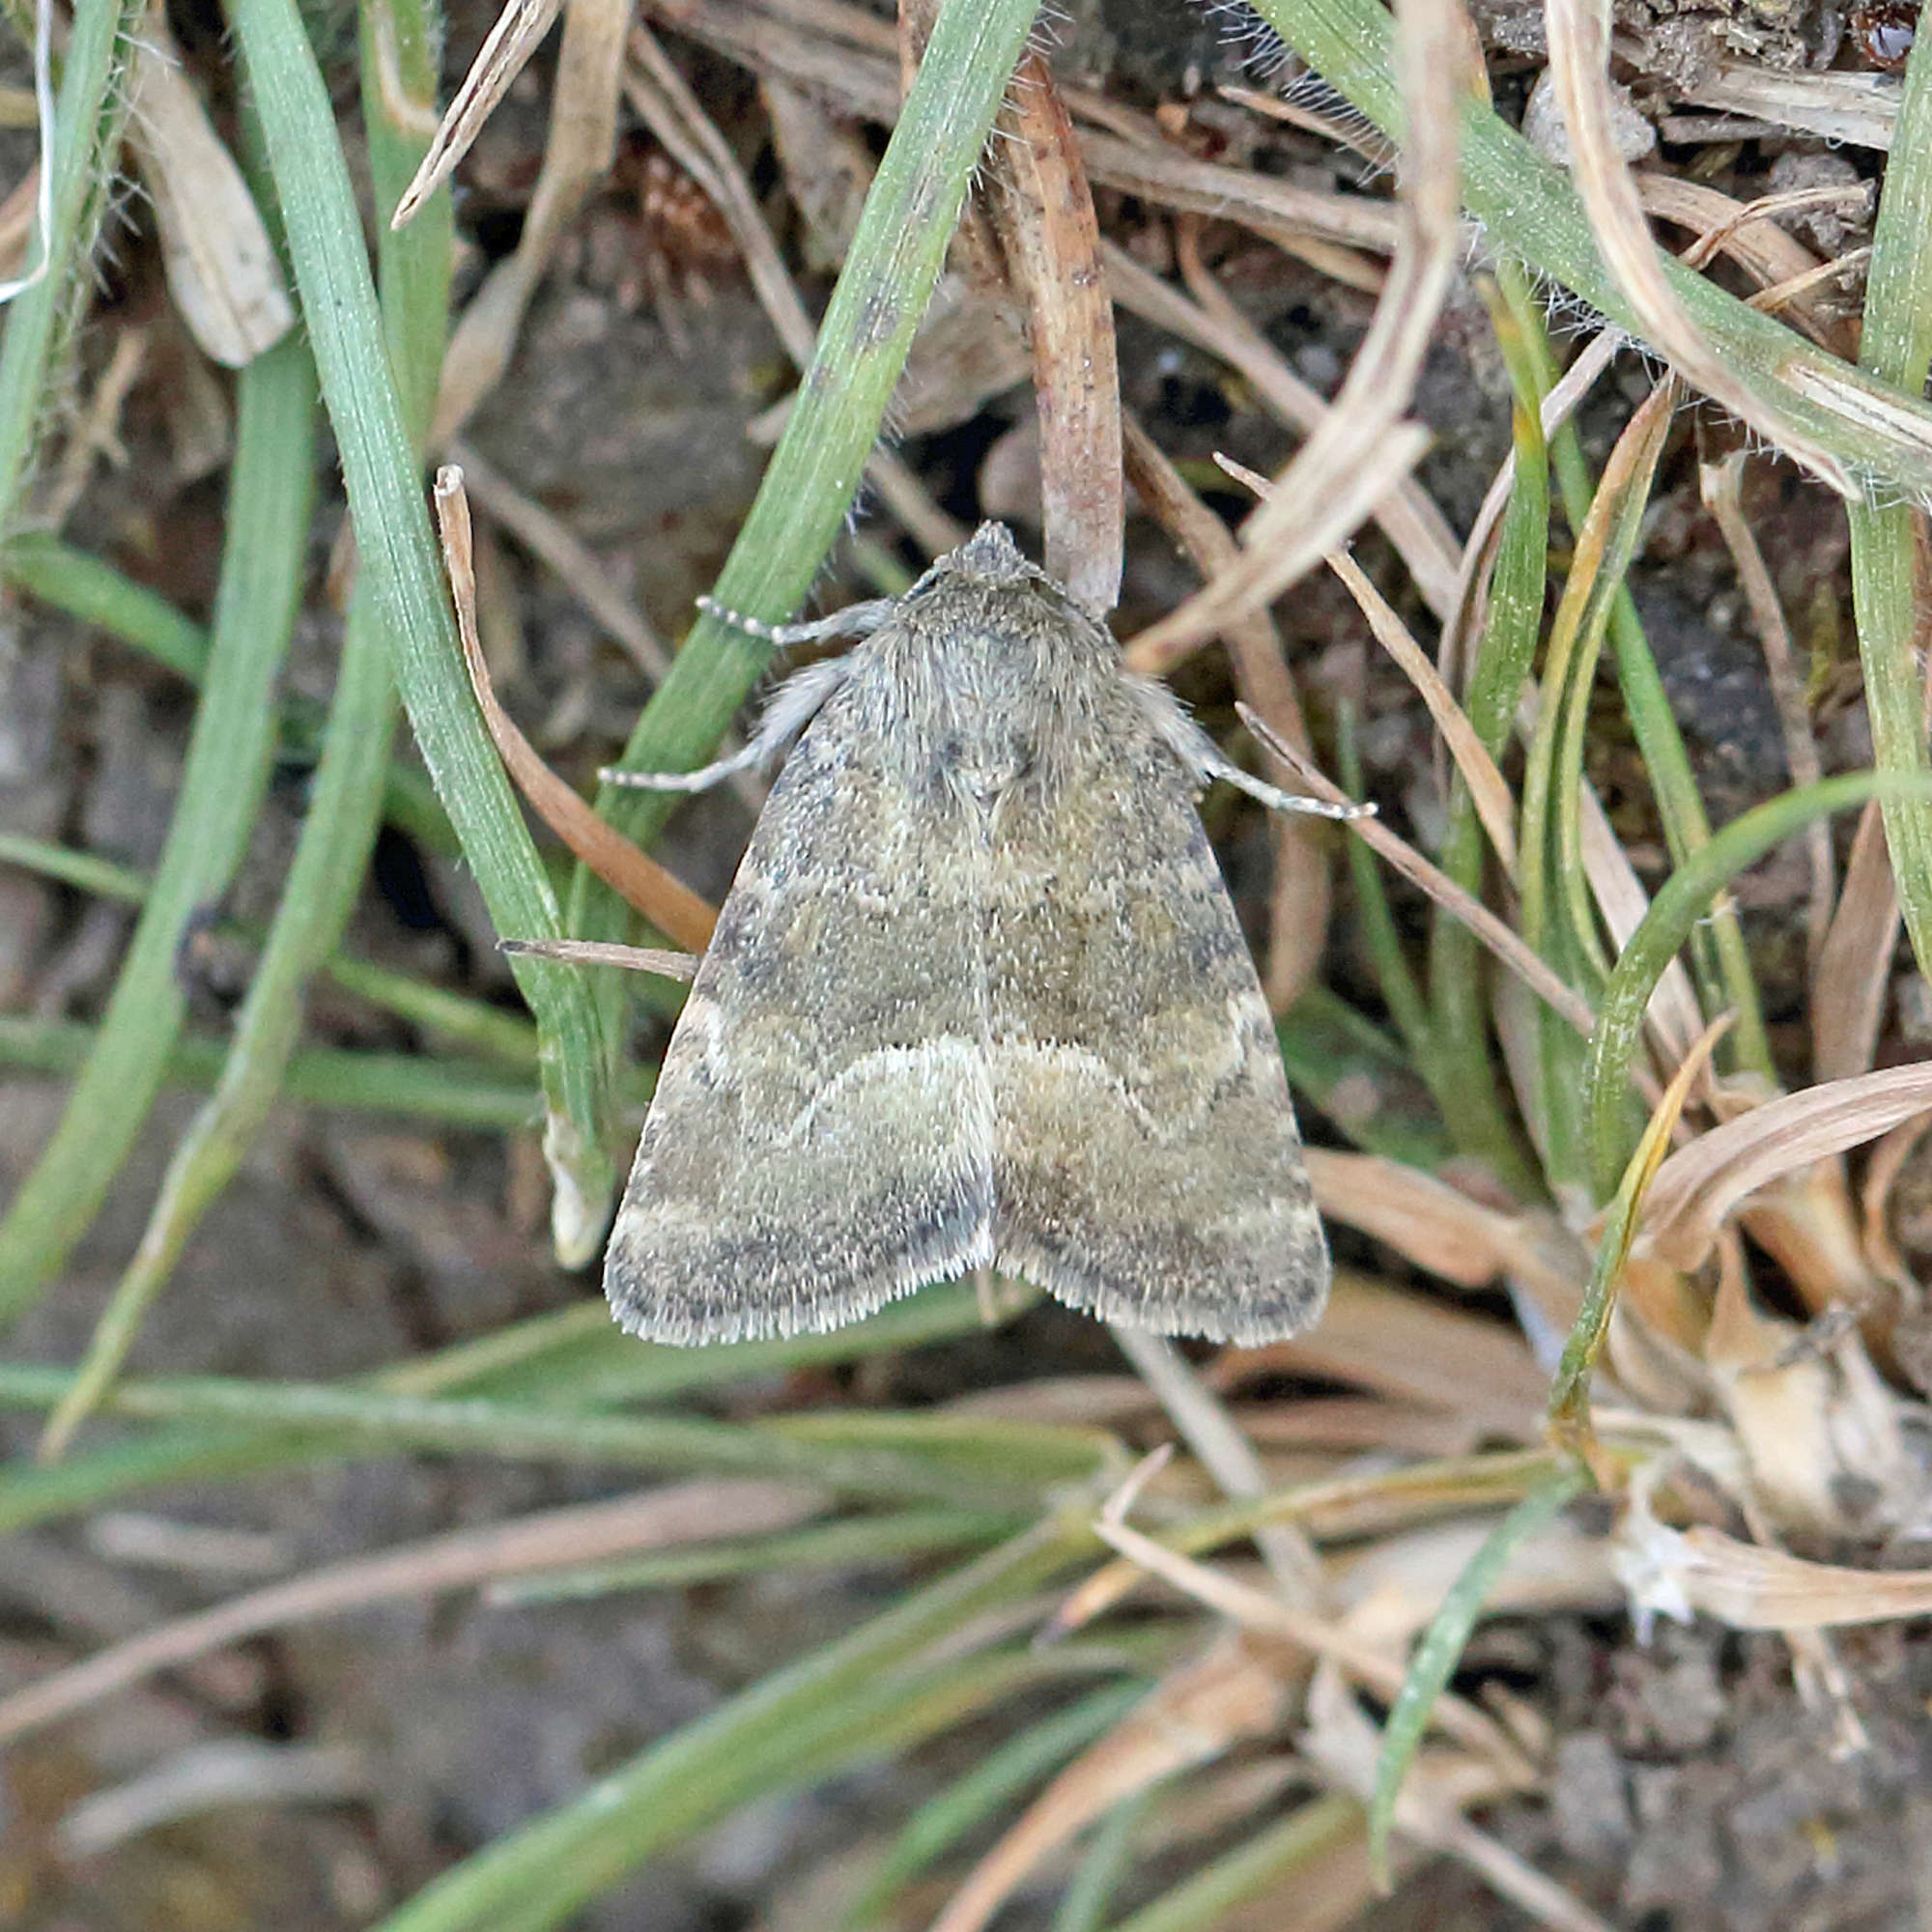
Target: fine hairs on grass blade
{"type": "Point", "coordinates": [226, 773]}
{"type": "Point", "coordinates": [882, 293]}
{"type": "Point", "coordinates": [90, 116]}
{"type": "Point", "coordinates": [339, 827]}
{"type": "Point", "coordinates": [1888, 569]}
{"type": "Point", "coordinates": [402, 574]}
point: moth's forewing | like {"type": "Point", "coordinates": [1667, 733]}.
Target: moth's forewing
{"type": "Point", "coordinates": [821, 1139]}
{"type": "Point", "coordinates": [1146, 1165]}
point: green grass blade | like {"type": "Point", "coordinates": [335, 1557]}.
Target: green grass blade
{"type": "Point", "coordinates": [402, 574]}
{"type": "Point", "coordinates": [1719, 958]}
{"type": "Point", "coordinates": [1265, 1863]}
{"type": "Point", "coordinates": [1435, 1659]}
{"type": "Point", "coordinates": [750, 1743]}
{"type": "Point", "coordinates": [1888, 590]}
{"type": "Point", "coordinates": [1504, 654]}
{"type": "Point", "coordinates": [834, 1546]}
{"type": "Point", "coordinates": [577, 1357]}
{"type": "Point", "coordinates": [270, 493]}
{"type": "Point", "coordinates": [373, 1418]}
{"type": "Point", "coordinates": [456, 1019]}
{"type": "Point", "coordinates": [96, 594]}
{"type": "Point", "coordinates": [894, 258]}
{"type": "Point", "coordinates": [458, 1094]}
{"type": "Point", "coordinates": [1098, 1876]}
{"type": "Point", "coordinates": [1684, 899]}
{"type": "Point", "coordinates": [339, 829]}
{"type": "Point", "coordinates": [1531, 211]}
{"type": "Point", "coordinates": [90, 113]}
{"type": "Point", "coordinates": [1003, 1775]}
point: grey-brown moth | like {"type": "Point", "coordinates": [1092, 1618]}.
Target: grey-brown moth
{"type": "Point", "coordinates": [978, 998]}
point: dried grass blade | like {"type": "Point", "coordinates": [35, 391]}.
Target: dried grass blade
{"type": "Point", "coordinates": [1299, 902]}
{"type": "Point", "coordinates": [1405, 1347]}
{"type": "Point", "coordinates": [653, 1518]}
{"type": "Point", "coordinates": [1702, 1184]}
{"type": "Point", "coordinates": [1749, 1587]}
{"type": "Point", "coordinates": [1561, 999]}
{"type": "Point", "coordinates": [1578, 33]}
{"type": "Point", "coordinates": [1855, 962]}
{"type": "Point", "coordinates": [1201, 1710]}
{"type": "Point", "coordinates": [1489, 794]}
{"type": "Point", "coordinates": [1880, 1252]}
{"type": "Point", "coordinates": [1044, 214]}
{"type": "Point", "coordinates": [220, 265]}
{"type": "Point", "coordinates": [550, 539]}
{"type": "Point", "coordinates": [1408, 517]}
{"type": "Point", "coordinates": [666, 901]}
{"type": "Point", "coordinates": [1437, 1229]}
{"type": "Point", "coordinates": [578, 151]}
{"type": "Point", "coordinates": [1267, 1616]}
{"type": "Point", "coordinates": [1352, 460]}
{"type": "Point", "coordinates": [505, 48]}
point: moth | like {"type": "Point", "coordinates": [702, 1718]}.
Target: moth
{"type": "Point", "coordinates": [978, 998]}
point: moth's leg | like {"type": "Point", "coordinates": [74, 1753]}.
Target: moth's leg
{"type": "Point", "coordinates": [790, 710]}
{"type": "Point", "coordinates": [1211, 764]}
{"type": "Point", "coordinates": [856, 620]}
{"type": "Point", "coordinates": [1204, 760]}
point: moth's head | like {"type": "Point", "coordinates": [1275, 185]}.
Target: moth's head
{"type": "Point", "coordinates": [990, 556]}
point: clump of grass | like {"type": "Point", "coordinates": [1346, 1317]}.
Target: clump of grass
{"type": "Point", "coordinates": [1555, 1041]}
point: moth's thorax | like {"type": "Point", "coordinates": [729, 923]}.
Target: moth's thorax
{"type": "Point", "coordinates": [993, 680]}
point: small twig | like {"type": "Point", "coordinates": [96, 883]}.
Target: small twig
{"type": "Point", "coordinates": [1043, 212]}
